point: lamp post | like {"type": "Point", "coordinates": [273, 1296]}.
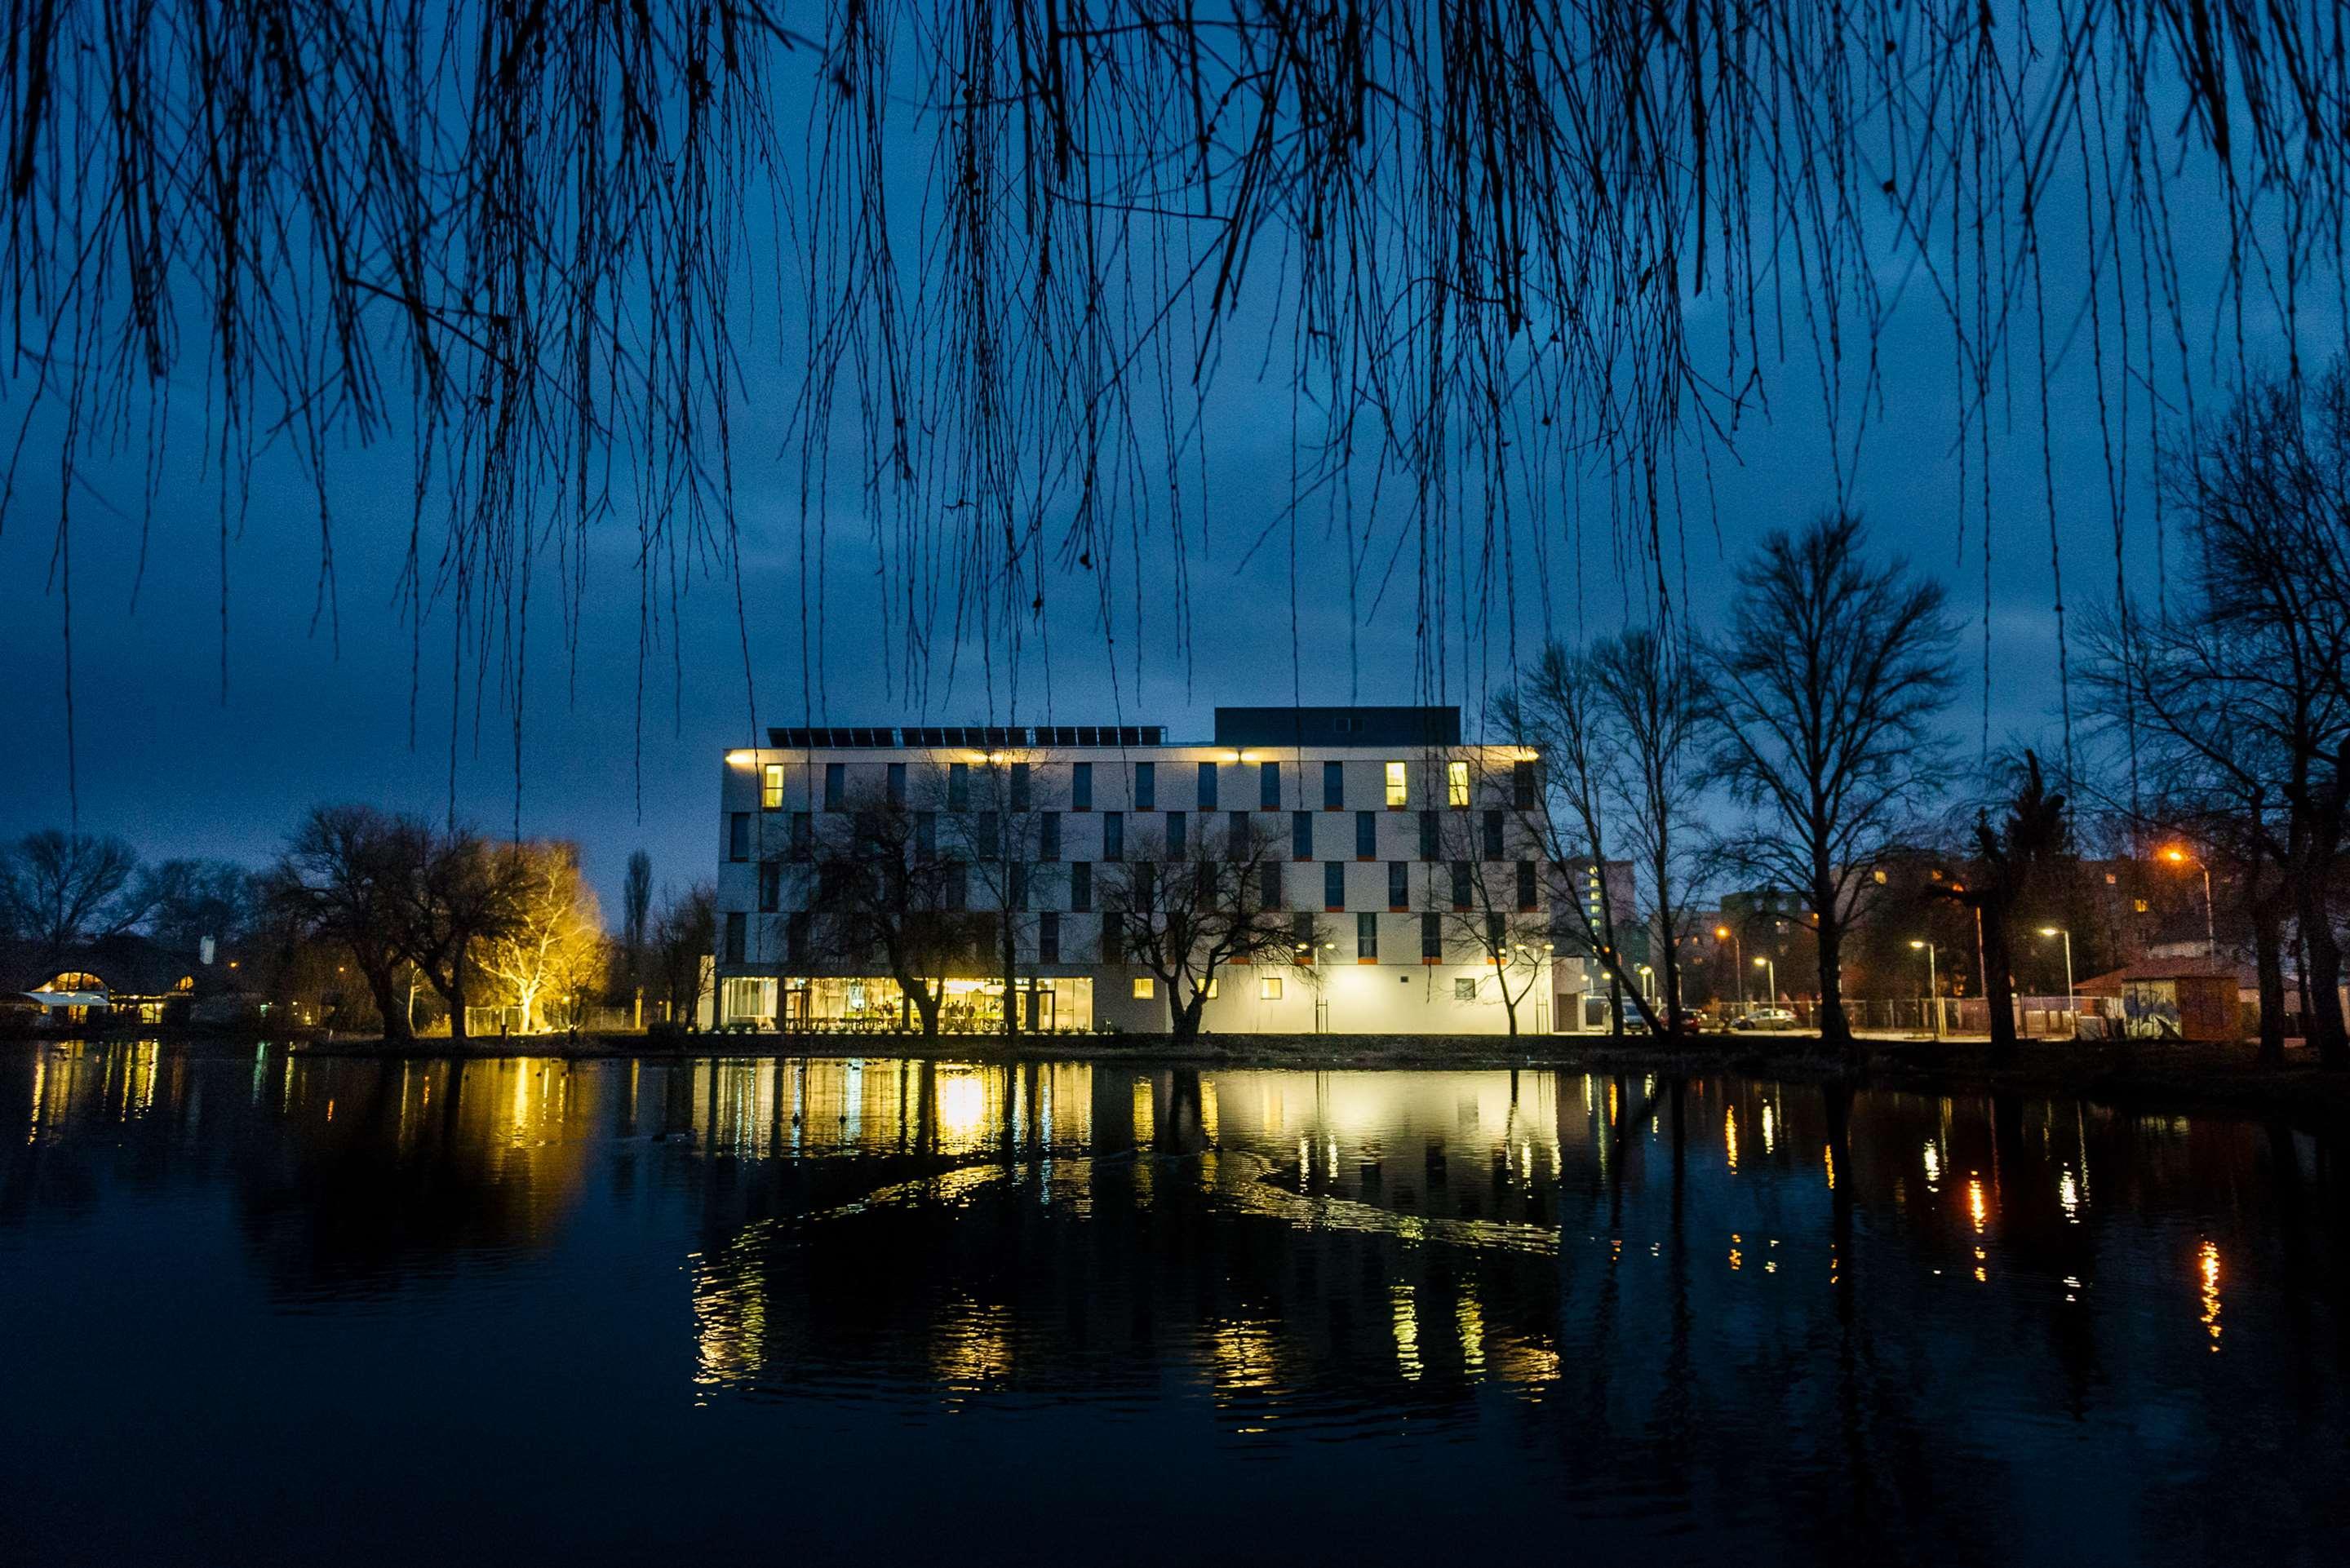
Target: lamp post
{"type": "Point", "coordinates": [2178, 857]}
{"type": "Point", "coordinates": [1737, 958]}
{"type": "Point", "coordinates": [2072, 1003]}
{"type": "Point", "coordinates": [1772, 969]}
{"type": "Point", "coordinates": [1933, 987]}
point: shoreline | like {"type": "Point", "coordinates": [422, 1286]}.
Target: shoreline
{"type": "Point", "coordinates": [2132, 1075]}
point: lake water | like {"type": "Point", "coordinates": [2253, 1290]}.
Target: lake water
{"type": "Point", "coordinates": [269, 1311]}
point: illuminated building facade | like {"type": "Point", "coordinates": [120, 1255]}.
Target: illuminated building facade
{"type": "Point", "coordinates": [1406, 858]}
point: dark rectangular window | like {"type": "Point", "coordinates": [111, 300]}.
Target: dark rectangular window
{"type": "Point", "coordinates": [958, 885]}
{"type": "Point", "coordinates": [1334, 785]}
{"type": "Point", "coordinates": [1178, 836]}
{"type": "Point", "coordinates": [1268, 786]}
{"type": "Point", "coordinates": [926, 834]}
{"type": "Point", "coordinates": [1145, 786]}
{"type": "Point", "coordinates": [1525, 885]}
{"type": "Point", "coordinates": [736, 923]}
{"type": "Point", "coordinates": [1428, 835]}
{"type": "Point", "coordinates": [1521, 786]}
{"type": "Point", "coordinates": [1366, 835]}
{"type": "Point", "coordinates": [1398, 884]}
{"type": "Point", "coordinates": [1207, 786]}
{"type": "Point", "coordinates": [738, 836]}
{"type": "Point", "coordinates": [989, 835]}
{"type": "Point", "coordinates": [1236, 843]}
{"type": "Point", "coordinates": [897, 784]}
{"type": "Point", "coordinates": [1301, 931]}
{"type": "Point", "coordinates": [1081, 886]}
{"type": "Point", "coordinates": [1019, 884]}
{"type": "Point", "coordinates": [1334, 884]}
{"type": "Point", "coordinates": [1366, 938]}
{"type": "Point", "coordinates": [1497, 937]}
{"type": "Point", "coordinates": [1048, 836]}
{"type": "Point", "coordinates": [1493, 836]}
{"type": "Point", "coordinates": [1048, 938]}
{"type": "Point", "coordinates": [1461, 884]}
{"type": "Point", "coordinates": [1020, 786]}
{"type": "Point", "coordinates": [835, 785]}
{"type": "Point", "coordinates": [1301, 836]}
{"type": "Point", "coordinates": [1113, 939]}
{"type": "Point", "coordinates": [1081, 787]}
{"type": "Point", "coordinates": [958, 786]}
{"type": "Point", "coordinates": [1431, 939]}
{"type": "Point", "coordinates": [770, 886]}
{"type": "Point", "coordinates": [1113, 835]}
{"type": "Point", "coordinates": [1268, 884]}
{"type": "Point", "coordinates": [803, 835]}
{"type": "Point", "coordinates": [1146, 884]}
{"type": "Point", "coordinates": [795, 938]}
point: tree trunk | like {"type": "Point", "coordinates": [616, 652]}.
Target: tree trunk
{"type": "Point", "coordinates": [926, 1007]}
{"type": "Point", "coordinates": [2268, 959]}
{"type": "Point", "coordinates": [1614, 1009]}
{"type": "Point", "coordinates": [2324, 969]}
{"type": "Point", "coordinates": [1183, 1021]}
{"type": "Point", "coordinates": [1835, 1028]}
{"type": "Point", "coordinates": [1009, 940]}
{"type": "Point", "coordinates": [388, 1003]}
{"type": "Point", "coordinates": [1999, 980]}
{"type": "Point", "coordinates": [453, 993]}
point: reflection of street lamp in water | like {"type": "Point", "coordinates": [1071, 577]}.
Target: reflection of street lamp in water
{"type": "Point", "coordinates": [1933, 988]}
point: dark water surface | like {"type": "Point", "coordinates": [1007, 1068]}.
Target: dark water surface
{"type": "Point", "coordinates": [346, 1311]}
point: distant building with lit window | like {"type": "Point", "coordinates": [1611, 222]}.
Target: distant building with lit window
{"type": "Point", "coordinates": [1409, 858]}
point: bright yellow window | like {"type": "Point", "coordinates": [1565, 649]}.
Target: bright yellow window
{"type": "Point", "coordinates": [1456, 784]}
{"type": "Point", "coordinates": [770, 787]}
{"type": "Point", "coordinates": [1145, 988]}
{"type": "Point", "coordinates": [1396, 793]}
{"type": "Point", "coordinates": [1269, 987]}
{"type": "Point", "coordinates": [1214, 988]}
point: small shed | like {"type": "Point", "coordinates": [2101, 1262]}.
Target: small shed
{"type": "Point", "coordinates": [2172, 999]}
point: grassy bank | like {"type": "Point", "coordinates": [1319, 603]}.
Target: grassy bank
{"type": "Point", "coordinates": [2140, 1074]}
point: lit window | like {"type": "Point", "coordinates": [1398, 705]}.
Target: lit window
{"type": "Point", "coordinates": [1145, 988]}
{"type": "Point", "coordinates": [1269, 987]}
{"type": "Point", "coordinates": [1215, 987]}
{"type": "Point", "coordinates": [2141, 904]}
{"type": "Point", "coordinates": [771, 788]}
{"type": "Point", "coordinates": [1880, 877]}
{"type": "Point", "coordinates": [1396, 788]}
{"type": "Point", "coordinates": [1456, 784]}
{"type": "Point", "coordinates": [1464, 988]}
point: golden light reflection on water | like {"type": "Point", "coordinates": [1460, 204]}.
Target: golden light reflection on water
{"type": "Point", "coordinates": [1406, 1333]}
{"type": "Point", "coordinates": [1729, 1137]}
{"type": "Point", "coordinates": [2208, 1268]}
{"type": "Point", "coordinates": [1471, 1317]}
{"type": "Point", "coordinates": [1767, 1128]}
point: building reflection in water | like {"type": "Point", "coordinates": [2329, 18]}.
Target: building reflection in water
{"type": "Point", "coordinates": [1560, 1263]}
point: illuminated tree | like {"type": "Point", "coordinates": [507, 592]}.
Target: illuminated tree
{"type": "Point", "coordinates": [1188, 916]}
{"type": "Point", "coordinates": [551, 948]}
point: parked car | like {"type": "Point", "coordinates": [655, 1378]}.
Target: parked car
{"type": "Point", "coordinates": [1765, 1018]}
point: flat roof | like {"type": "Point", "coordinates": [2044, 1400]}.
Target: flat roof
{"type": "Point", "coordinates": [1338, 726]}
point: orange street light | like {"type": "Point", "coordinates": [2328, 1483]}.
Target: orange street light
{"type": "Point", "coordinates": [2178, 857]}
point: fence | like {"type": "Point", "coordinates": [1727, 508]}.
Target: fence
{"type": "Point", "coordinates": [2036, 1017]}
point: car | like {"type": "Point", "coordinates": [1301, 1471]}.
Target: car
{"type": "Point", "coordinates": [1765, 1018]}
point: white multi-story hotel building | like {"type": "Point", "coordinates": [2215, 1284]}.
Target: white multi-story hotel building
{"type": "Point", "coordinates": [1405, 858]}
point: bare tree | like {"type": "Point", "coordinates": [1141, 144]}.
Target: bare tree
{"type": "Point", "coordinates": [188, 900]}
{"type": "Point", "coordinates": [636, 912]}
{"type": "Point", "coordinates": [2010, 857]}
{"type": "Point", "coordinates": [2238, 699]}
{"type": "Point", "coordinates": [463, 891]}
{"type": "Point", "coordinates": [685, 938]}
{"type": "Point", "coordinates": [1561, 714]}
{"type": "Point", "coordinates": [62, 888]}
{"type": "Point", "coordinates": [883, 890]}
{"type": "Point", "coordinates": [552, 946]}
{"type": "Point", "coordinates": [1654, 711]}
{"type": "Point", "coordinates": [1496, 909]}
{"type": "Point", "coordinates": [1188, 916]}
{"type": "Point", "coordinates": [997, 832]}
{"type": "Point", "coordinates": [1824, 691]}
{"type": "Point", "coordinates": [344, 879]}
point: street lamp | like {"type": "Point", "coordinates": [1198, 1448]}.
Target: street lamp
{"type": "Point", "coordinates": [1772, 968]}
{"type": "Point", "coordinates": [2072, 1004]}
{"type": "Point", "coordinates": [2178, 857]}
{"type": "Point", "coordinates": [1737, 958]}
{"type": "Point", "coordinates": [1933, 987]}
